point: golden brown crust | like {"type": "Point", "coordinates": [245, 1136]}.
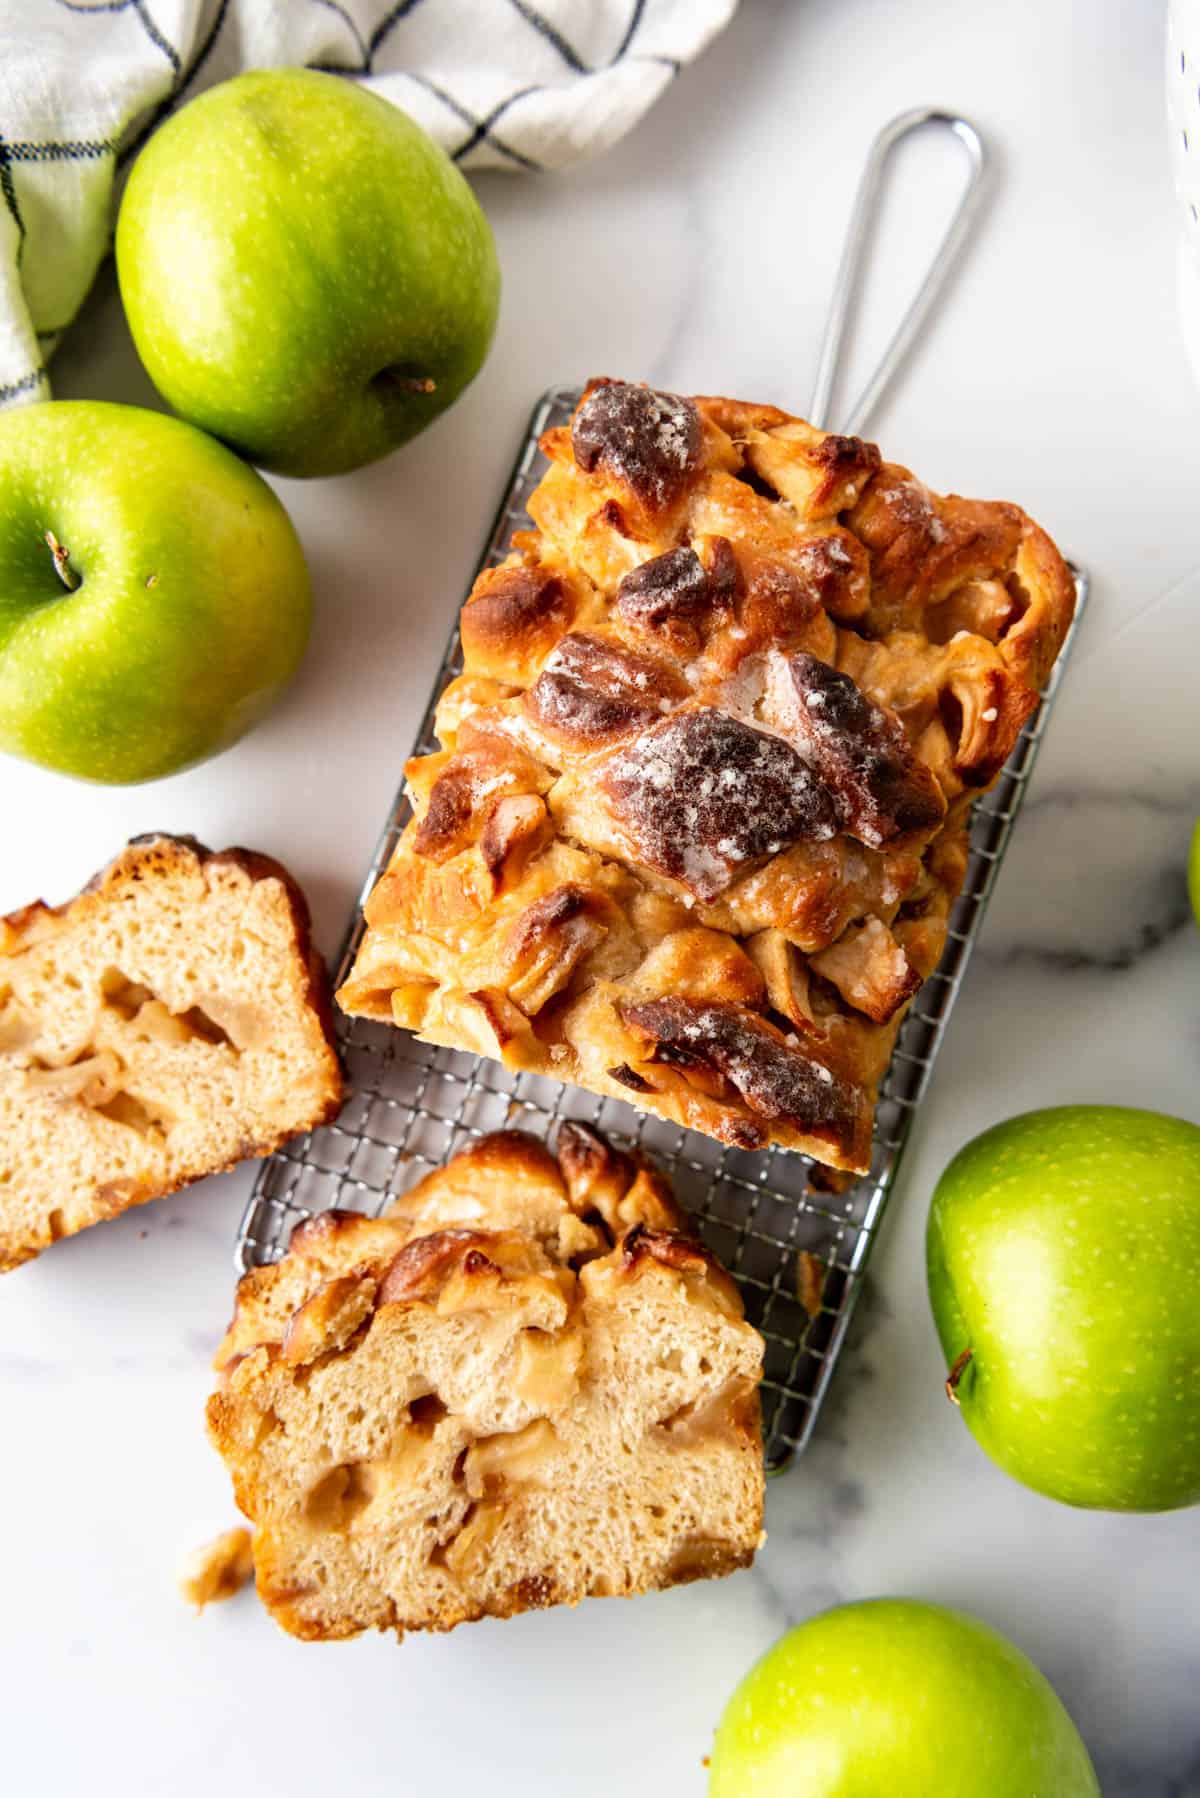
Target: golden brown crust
{"type": "Point", "coordinates": [515, 616]}
{"type": "Point", "coordinates": [721, 713]}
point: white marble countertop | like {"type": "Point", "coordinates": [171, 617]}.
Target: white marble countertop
{"type": "Point", "coordinates": [699, 255]}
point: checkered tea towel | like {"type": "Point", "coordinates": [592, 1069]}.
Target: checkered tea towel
{"type": "Point", "coordinates": [516, 84]}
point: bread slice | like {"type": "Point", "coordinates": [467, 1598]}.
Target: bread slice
{"type": "Point", "coordinates": [167, 1023]}
{"type": "Point", "coordinates": [527, 1383]}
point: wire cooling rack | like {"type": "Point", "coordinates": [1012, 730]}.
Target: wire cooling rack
{"type": "Point", "coordinates": [797, 1250]}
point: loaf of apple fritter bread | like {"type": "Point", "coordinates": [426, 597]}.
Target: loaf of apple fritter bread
{"type": "Point", "coordinates": [702, 805]}
{"type": "Point", "coordinates": [170, 1021]}
{"type": "Point", "coordinates": [526, 1383]}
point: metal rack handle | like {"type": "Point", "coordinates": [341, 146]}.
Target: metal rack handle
{"type": "Point", "coordinates": [850, 269]}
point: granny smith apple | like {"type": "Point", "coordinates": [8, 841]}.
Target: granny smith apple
{"type": "Point", "coordinates": [1194, 873]}
{"type": "Point", "coordinates": [1064, 1271]}
{"type": "Point", "coordinates": [305, 273]}
{"type": "Point", "coordinates": [901, 1699]}
{"type": "Point", "coordinates": [153, 594]}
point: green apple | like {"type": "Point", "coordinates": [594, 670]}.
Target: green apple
{"type": "Point", "coordinates": [1194, 873]}
{"type": "Point", "coordinates": [898, 1698]}
{"type": "Point", "coordinates": [1064, 1271]}
{"type": "Point", "coordinates": [305, 273]}
{"type": "Point", "coordinates": [153, 594]}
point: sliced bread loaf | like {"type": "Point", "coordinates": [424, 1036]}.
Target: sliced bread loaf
{"type": "Point", "coordinates": [170, 1021]}
{"type": "Point", "coordinates": [525, 1384]}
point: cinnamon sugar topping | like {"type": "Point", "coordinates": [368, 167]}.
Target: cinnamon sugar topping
{"type": "Point", "coordinates": [593, 689]}
{"type": "Point", "coordinates": [860, 750]}
{"type": "Point", "coordinates": [776, 1081]}
{"type": "Point", "coordinates": [665, 589]}
{"type": "Point", "coordinates": [649, 441]}
{"type": "Point", "coordinates": [702, 794]}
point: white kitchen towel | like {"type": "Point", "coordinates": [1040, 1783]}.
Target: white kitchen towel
{"type": "Point", "coordinates": [500, 83]}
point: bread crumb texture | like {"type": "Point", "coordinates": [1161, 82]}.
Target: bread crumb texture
{"type": "Point", "coordinates": [167, 1023]}
{"type": "Point", "coordinates": [525, 1384]}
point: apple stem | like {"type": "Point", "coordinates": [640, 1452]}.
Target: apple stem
{"type": "Point", "coordinates": [956, 1373]}
{"type": "Point", "coordinates": [62, 562]}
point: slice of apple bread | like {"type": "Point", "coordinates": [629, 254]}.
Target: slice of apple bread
{"type": "Point", "coordinates": [166, 1023]}
{"type": "Point", "coordinates": [525, 1384]}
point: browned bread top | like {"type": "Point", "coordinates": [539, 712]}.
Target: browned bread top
{"type": "Point", "coordinates": [166, 1023]}
{"type": "Point", "coordinates": [524, 1383]}
{"type": "Point", "coordinates": [700, 811]}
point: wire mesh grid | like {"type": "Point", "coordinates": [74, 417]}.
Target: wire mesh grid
{"type": "Point", "coordinates": [797, 1249]}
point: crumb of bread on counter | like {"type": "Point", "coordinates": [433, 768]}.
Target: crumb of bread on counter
{"type": "Point", "coordinates": [218, 1570]}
